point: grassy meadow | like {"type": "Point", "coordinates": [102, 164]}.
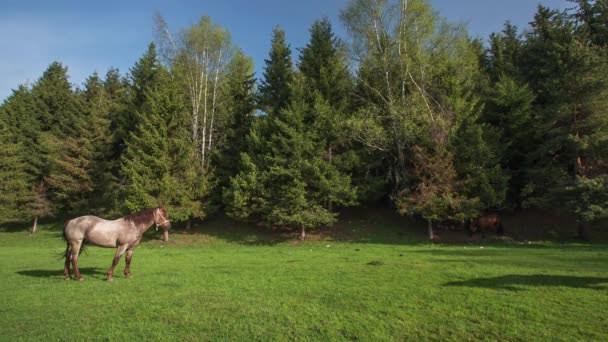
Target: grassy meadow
{"type": "Point", "coordinates": [371, 277]}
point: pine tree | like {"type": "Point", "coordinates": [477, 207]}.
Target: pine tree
{"type": "Point", "coordinates": [274, 91]}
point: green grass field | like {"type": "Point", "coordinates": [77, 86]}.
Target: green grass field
{"type": "Point", "coordinates": [370, 278]}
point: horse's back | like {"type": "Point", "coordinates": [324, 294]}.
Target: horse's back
{"type": "Point", "coordinates": [94, 229]}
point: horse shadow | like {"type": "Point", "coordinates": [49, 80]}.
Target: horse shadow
{"type": "Point", "coordinates": [520, 282]}
{"type": "Point", "coordinates": [59, 272]}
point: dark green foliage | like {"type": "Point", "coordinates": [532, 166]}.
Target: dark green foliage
{"type": "Point", "coordinates": [274, 91]}
{"type": "Point", "coordinates": [509, 110]}
{"type": "Point", "coordinates": [58, 109]}
{"type": "Point", "coordinates": [19, 113]}
{"type": "Point", "coordinates": [157, 164]}
{"type": "Point", "coordinates": [569, 75]}
{"type": "Point", "coordinates": [438, 123]}
{"type": "Point", "coordinates": [323, 63]}
{"type": "Point", "coordinates": [143, 77]}
{"type": "Point", "coordinates": [70, 182]}
{"type": "Point", "coordinates": [505, 53]}
{"type": "Point", "coordinates": [14, 191]}
{"type": "Point", "coordinates": [239, 112]}
{"type": "Point", "coordinates": [592, 19]}
{"type": "Point", "coordinates": [286, 181]}
{"type": "Point", "coordinates": [102, 100]}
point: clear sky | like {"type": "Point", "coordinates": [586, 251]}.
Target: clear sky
{"type": "Point", "coordinates": [90, 36]}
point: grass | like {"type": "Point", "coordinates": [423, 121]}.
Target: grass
{"type": "Point", "coordinates": [372, 277]}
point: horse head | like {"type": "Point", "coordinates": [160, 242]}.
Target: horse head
{"type": "Point", "coordinates": [161, 218]}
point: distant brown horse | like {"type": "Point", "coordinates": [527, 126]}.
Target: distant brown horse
{"type": "Point", "coordinates": [486, 222]}
{"type": "Point", "coordinates": [123, 234]}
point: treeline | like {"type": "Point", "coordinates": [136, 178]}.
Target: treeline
{"type": "Point", "coordinates": [411, 111]}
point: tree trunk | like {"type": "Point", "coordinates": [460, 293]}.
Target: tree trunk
{"type": "Point", "coordinates": [430, 230]}
{"type": "Point", "coordinates": [584, 231]}
{"type": "Point", "coordinates": [166, 235]}
{"type": "Point", "coordinates": [189, 223]}
{"type": "Point", "coordinates": [302, 233]}
{"type": "Point", "coordinates": [35, 226]}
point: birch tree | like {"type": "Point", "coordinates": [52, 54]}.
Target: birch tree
{"type": "Point", "coordinates": [199, 57]}
{"type": "Point", "coordinates": [417, 107]}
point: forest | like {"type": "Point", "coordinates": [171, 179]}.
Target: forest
{"type": "Point", "coordinates": [407, 111]}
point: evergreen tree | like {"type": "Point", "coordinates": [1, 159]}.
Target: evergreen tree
{"type": "Point", "coordinates": [274, 91]}
{"type": "Point", "coordinates": [157, 165]}
{"type": "Point", "coordinates": [509, 109]}
{"type": "Point", "coordinates": [286, 181]}
{"type": "Point", "coordinates": [19, 113]}
{"type": "Point", "coordinates": [238, 112]}
{"type": "Point", "coordinates": [505, 53]}
{"type": "Point", "coordinates": [59, 110]}
{"type": "Point", "coordinates": [101, 100]}
{"type": "Point", "coordinates": [329, 86]}
{"type": "Point", "coordinates": [592, 19]}
{"type": "Point", "coordinates": [70, 182]}
{"type": "Point", "coordinates": [14, 191]}
{"type": "Point", "coordinates": [143, 77]}
{"type": "Point", "coordinates": [569, 78]}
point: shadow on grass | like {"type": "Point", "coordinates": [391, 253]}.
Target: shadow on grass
{"type": "Point", "coordinates": [520, 282]}
{"type": "Point", "coordinates": [59, 272]}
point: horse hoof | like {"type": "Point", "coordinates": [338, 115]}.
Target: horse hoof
{"type": "Point", "coordinates": [110, 279]}
{"type": "Point", "coordinates": [66, 278]}
{"type": "Point", "coordinates": [81, 279]}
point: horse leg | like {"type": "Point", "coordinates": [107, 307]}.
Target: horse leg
{"type": "Point", "coordinates": [66, 266]}
{"type": "Point", "coordinates": [128, 262]}
{"type": "Point", "coordinates": [75, 250]}
{"type": "Point", "coordinates": [121, 249]}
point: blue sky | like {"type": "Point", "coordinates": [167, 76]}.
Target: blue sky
{"type": "Point", "coordinates": [90, 36]}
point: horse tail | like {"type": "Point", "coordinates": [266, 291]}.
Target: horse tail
{"type": "Point", "coordinates": [65, 238]}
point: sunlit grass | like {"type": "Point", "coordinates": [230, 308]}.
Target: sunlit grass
{"type": "Point", "coordinates": [232, 282]}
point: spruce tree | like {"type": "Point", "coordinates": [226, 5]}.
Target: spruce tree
{"type": "Point", "coordinates": [14, 191]}
{"type": "Point", "coordinates": [19, 113]}
{"type": "Point", "coordinates": [329, 85]}
{"type": "Point", "coordinates": [157, 165]}
{"type": "Point", "coordinates": [238, 112]}
{"type": "Point", "coordinates": [286, 181]}
{"type": "Point", "coordinates": [101, 101]}
{"type": "Point", "coordinates": [59, 110]}
{"type": "Point", "coordinates": [274, 91]}
{"type": "Point", "coordinates": [569, 78]}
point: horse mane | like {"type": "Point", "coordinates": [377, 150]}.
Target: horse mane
{"type": "Point", "coordinates": [141, 217]}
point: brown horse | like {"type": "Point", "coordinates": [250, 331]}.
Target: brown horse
{"type": "Point", "coordinates": [123, 234]}
{"type": "Point", "coordinates": [486, 222]}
